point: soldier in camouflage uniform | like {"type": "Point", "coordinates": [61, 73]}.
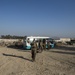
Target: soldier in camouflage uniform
{"type": "Point", "coordinates": [37, 47]}
{"type": "Point", "coordinates": [41, 45]}
{"type": "Point", "coordinates": [33, 49]}
{"type": "Point", "coordinates": [48, 44]}
{"type": "Point", "coordinates": [44, 44]}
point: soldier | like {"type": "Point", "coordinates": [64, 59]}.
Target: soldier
{"type": "Point", "coordinates": [48, 44]}
{"type": "Point", "coordinates": [33, 49]}
{"type": "Point", "coordinates": [28, 40]}
{"type": "Point", "coordinates": [37, 47]}
{"type": "Point", "coordinates": [41, 45]}
{"type": "Point", "coordinates": [44, 44]}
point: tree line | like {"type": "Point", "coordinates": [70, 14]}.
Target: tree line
{"type": "Point", "coordinates": [12, 37]}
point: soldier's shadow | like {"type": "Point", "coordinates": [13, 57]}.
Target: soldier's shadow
{"type": "Point", "coordinates": [17, 56]}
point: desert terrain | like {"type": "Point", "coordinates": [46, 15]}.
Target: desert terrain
{"type": "Point", "coordinates": [59, 61]}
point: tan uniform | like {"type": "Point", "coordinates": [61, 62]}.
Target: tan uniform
{"type": "Point", "coordinates": [33, 50]}
{"type": "Point", "coordinates": [48, 43]}
{"type": "Point", "coordinates": [41, 46]}
{"type": "Point", "coordinates": [44, 44]}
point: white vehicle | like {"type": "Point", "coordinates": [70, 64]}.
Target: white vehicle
{"type": "Point", "coordinates": [27, 45]}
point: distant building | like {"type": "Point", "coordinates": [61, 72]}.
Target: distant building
{"type": "Point", "coordinates": [65, 40]}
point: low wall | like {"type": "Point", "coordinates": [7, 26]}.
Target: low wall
{"type": "Point", "coordinates": [8, 40]}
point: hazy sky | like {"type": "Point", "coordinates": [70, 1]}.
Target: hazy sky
{"type": "Point", "coordinates": [38, 17]}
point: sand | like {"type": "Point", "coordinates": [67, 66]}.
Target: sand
{"type": "Point", "coordinates": [51, 62]}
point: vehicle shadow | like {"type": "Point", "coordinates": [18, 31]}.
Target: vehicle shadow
{"type": "Point", "coordinates": [17, 56]}
{"type": "Point", "coordinates": [63, 52]}
{"type": "Point", "coordinates": [65, 48]}
{"type": "Point", "coordinates": [19, 48]}
{"type": "Point", "coordinates": [15, 47]}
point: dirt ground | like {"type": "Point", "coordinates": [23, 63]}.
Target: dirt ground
{"type": "Point", "coordinates": [52, 62]}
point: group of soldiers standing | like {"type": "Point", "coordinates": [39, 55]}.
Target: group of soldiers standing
{"type": "Point", "coordinates": [38, 46]}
